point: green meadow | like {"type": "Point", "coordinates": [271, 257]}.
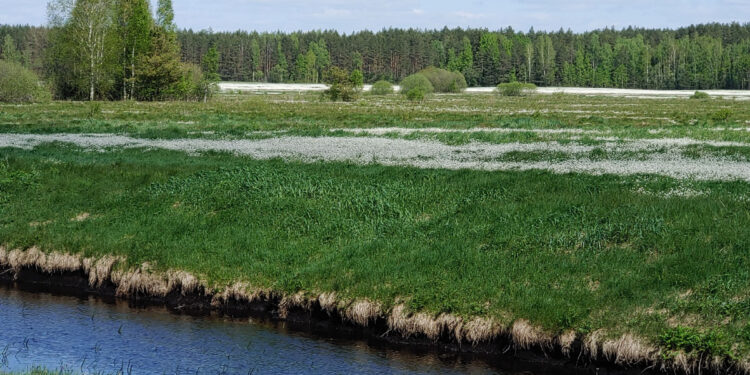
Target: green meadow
{"type": "Point", "coordinates": [663, 259]}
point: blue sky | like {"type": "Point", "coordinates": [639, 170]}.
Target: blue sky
{"type": "Point", "coordinates": [353, 15]}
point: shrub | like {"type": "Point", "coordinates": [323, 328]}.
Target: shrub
{"type": "Point", "coordinates": [357, 79]}
{"type": "Point", "coordinates": [417, 81]}
{"type": "Point", "coordinates": [20, 85]}
{"type": "Point", "coordinates": [342, 87]}
{"type": "Point", "coordinates": [700, 95]}
{"type": "Point", "coordinates": [445, 81]}
{"type": "Point", "coordinates": [192, 85]}
{"type": "Point", "coordinates": [722, 115]}
{"type": "Point", "coordinates": [416, 94]}
{"type": "Point", "coordinates": [516, 89]}
{"type": "Point", "coordinates": [381, 88]}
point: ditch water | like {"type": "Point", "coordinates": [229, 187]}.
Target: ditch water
{"type": "Point", "coordinates": [87, 335]}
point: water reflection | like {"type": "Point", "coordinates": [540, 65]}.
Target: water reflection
{"type": "Point", "coordinates": [85, 335]}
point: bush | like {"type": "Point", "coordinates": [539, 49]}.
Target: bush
{"type": "Point", "coordinates": [722, 115]}
{"type": "Point", "coordinates": [381, 88]}
{"type": "Point", "coordinates": [342, 87]}
{"type": "Point", "coordinates": [417, 81]}
{"type": "Point", "coordinates": [20, 85]}
{"type": "Point", "coordinates": [416, 94]}
{"type": "Point", "coordinates": [357, 79]}
{"type": "Point", "coordinates": [191, 85]}
{"type": "Point", "coordinates": [445, 81]}
{"type": "Point", "coordinates": [700, 95]}
{"type": "Point", "coordinates": [516, 89]}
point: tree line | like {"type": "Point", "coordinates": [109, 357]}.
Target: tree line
{"type": "Point", "coordinates": [710, 56]}
{"type": "Point", "coordinates": [695, 57]}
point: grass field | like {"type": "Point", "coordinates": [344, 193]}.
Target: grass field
{"type": "Point", "coordinates": [608, 253]}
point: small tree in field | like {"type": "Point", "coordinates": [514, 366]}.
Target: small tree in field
{"type": "Point", "coordinates": [416, 94]}
{"type": "Point", "coordinates": [358, 80]}
{"type": "Point", "coordinates": [341, 85]}
{"type": "Point", "coordinates": [417, 81]}
{"type": "Point", "coordinates": [210, 68]}
{"type": "Point", "coordinates": [381, 88]}
{"type": "Point", "coordinates": [516, 89]}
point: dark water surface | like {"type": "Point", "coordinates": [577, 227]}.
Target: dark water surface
{"type": "Point", "coordinates": [86, 335]}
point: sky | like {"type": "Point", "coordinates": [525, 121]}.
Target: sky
{"type": "Point", "coordinates": [354, 15]}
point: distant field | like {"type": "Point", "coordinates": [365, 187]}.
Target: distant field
{"type": "Point", "coordinates": [228, 87]}
{"type": "Point", "coordinates": [605, 217]}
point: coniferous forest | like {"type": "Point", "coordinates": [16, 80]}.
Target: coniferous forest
{"type": "Point", "coordinates": [710, 56]}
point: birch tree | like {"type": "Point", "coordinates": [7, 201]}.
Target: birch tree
{"type": "Point", "coordinates": [165, 16]}
{"type": "Point", "coordinates": [90, 27]}
{"type": "Point", "coordinates": [134, 28]}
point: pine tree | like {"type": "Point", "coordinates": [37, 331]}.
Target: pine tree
{"type": "Point", "coordinates": [464, 62]}
{"type": "Point", "coordinates": [488, 60]}
{"type": "Point", "coordinates": [210, 67]}
{"type": "Point", "coordinates": [255, 56]}
{"type": "Point", "coordinates": [161, 67]}
{"type": "Point", "coordinates": [10, 52]}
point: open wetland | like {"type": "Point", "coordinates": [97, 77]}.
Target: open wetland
{"type": "Point", "coordinates": [467, 233]}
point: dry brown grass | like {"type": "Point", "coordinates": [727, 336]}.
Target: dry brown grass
{"type": "Point", "coordinates": [328, 302]}
{"type": "Point", "coordinates": [591, 344]}
{"type": "Point", "coordinates": [413, 324]}
{"type": "Point", "coordinates": [51, 263]}
{"type": "Point", "coordinates": [3, 256]}
{"type": "Point", "coordinates": [628, 350]}
{"type": "Point", "coordinates": [362, 312]}
{"type": "Point", "coordinates": [35, 224]}
{"type": "Point", "coordinates": [527, 336]}
{"type": "Point", "coordinates": [139, 281]}
{"type": "Point", "coordinates": [240, 292]}
{"type": "Point", "coordinates": [186, 282]}
{"type": "Point", "coordinates": [288, 303]}
{"type": "Point", "coordinates": [566, 341]}
{"type": "Point", "coordinates": [474, 331]}
{"type": "Point", "coordinates": [481, 330]}
{"type": "Point", "coordinates": [99, 270]}
{"type": "Point", "coordinates": [81, 217]}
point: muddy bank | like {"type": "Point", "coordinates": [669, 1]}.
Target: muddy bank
{"type": "Point", "coordinates": [327, 315]}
